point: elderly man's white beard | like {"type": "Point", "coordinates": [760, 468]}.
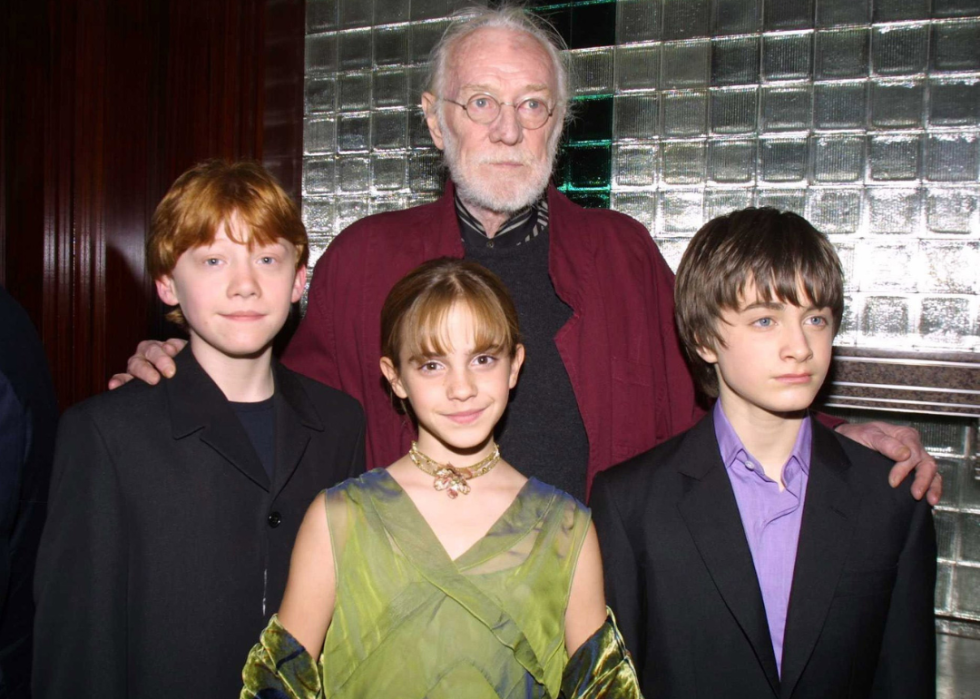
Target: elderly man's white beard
{"type": "Point", "coordinates": [504, 196]}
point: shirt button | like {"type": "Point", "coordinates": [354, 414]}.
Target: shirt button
{"type": "Point", "coordinates": [489, 243]}
{"type": "Point", "coordinates": [749, 465]}
{"type": "Point", "coordinates": [275, 519]}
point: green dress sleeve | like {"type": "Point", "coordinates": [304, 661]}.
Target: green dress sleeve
{"type": "Point", "coordinates": [601, 667]}
{"type": "Point", "coordinates": [278, 667]}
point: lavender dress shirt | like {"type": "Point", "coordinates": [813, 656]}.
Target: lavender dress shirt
{"type": "Point", "coordinates": [771, 519]}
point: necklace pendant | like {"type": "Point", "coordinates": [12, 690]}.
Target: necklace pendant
{"type": "Point", "coordinates": [452, 481]}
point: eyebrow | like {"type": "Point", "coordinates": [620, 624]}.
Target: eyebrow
{"type": "Point", "coordinates": [478, 87]}
{"type": "Point", "coordinates": [777, 306]}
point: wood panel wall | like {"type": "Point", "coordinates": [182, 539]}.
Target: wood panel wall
{"type": "Point", "coordinates": [102, 104]}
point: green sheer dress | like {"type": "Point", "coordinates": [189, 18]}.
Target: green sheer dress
{"type": "Point", "coordinates": [411, 622]}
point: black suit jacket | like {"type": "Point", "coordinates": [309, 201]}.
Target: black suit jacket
{"type": "Point", "coordinates": [680, 577]}
{"type": "Point", "coordinates": [167, 548]}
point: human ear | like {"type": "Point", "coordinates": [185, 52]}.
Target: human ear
{"type": "Point", "coordinates": [167, 290]}
{"type": "Point", "coordinates": [299, 284]}
{"type": "Point", "coordinates": [429, 108]}
{"type": "Point", "coordinates": [707, 354]}
{"type": "Point", "coordinates": [515, 365]}
{"type": "Point", "coordinates": [391, 374]}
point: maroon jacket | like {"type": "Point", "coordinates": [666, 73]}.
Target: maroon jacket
{"type": "Point", "coordinates": [619, 347]}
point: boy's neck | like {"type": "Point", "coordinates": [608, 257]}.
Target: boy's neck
{"type": "Point", "coordinates": [768, 437]}
{"type": "Point", "coordinates": [241, 379]}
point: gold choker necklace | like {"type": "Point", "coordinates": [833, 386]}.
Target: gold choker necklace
{"type": "Point", "coordinates": [449, 477]}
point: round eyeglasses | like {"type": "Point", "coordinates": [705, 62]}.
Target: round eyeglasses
{"type": "Point", "coordinates": [532, 113]}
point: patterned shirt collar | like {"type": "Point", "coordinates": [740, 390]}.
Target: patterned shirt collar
{"type": "Point", "coordinates": [520, 228]}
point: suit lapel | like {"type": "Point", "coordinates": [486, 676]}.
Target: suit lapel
{"type": "Point", "coordinates": [198, 405]}
{"type": "Point", "coordinates": [711, 513]}
{"type": "Point", "coordinates": [829, 514]}
{"type": "Point", "coordinates": [295, 417]}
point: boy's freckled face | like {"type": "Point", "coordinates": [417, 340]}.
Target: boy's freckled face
{"type": "Point", "coordinates": [775, 356]}
{"type": "Point", "coordinates": [234, 299]}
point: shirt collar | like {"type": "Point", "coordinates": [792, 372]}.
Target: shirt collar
{"type": "Point", "coordinates": [520, 228]}
{"type": "Point", "coordinates": [734, 453]}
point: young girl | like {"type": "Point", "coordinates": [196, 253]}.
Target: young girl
{"type": "Point", "coordinates": [448, 574]}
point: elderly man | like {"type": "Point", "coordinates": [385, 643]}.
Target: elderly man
{"type": "Point", "coordinates": [604, 379]}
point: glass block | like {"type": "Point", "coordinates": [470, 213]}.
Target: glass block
{"type": "Point", "coordinates": [945, 321]}
{"type": "Point", "coordinates": [838, 158]}
{"type": "Point", "coordinates": [424, 36]}
{"type": "Point", "coordinates": [318, 175]}
{"type": "Point", "coordinates": [894, 157]}
{"type": "Point", "coordinates": [635, 166]}
{"type": "Point", "coordinates": [593, 71]}
{"type": "Point", "coordinates": [390, 11]}
{"type": "Point", "coordinates": [735, 61]}
{"type": "Point", "coordinates": [787, 108]}
{"type": "Point", "coordinates": [381, 204]}
{"type": "Point", "coordinates": [321, 53]}
{"type": "Point", "coordinates": [589, 199]}
{"type": "Point", "coordinates": [842, 54]}
{"type": "Point", "coordinates": [641, 206]}
{"type": "Point", "coordinates": [354, 49]}
{"type": "Point", "coordinates": [840, 105]}
{"type": "Point", "coordinates": [320, 135]}
{"type": "Point", "coordinates": [885, 268]}
{"type": "Point", "coordinates": [893, 210]}
{"type": "Point", "coordinates": [686, 20]}
{"type": "Point", "coordinates": [736, 17]}
{"type": "Point", "coordinates": [391, 45]}
{"type": "Point", "coordinates": [951, 157]}
{"type": "Point", "coordinates": [970, 538]}
{"type": "Point", "coordinates": [834, 211]}
{"type": "Point", "coordinates": [430, 9]}
{"type": "Point", "coordinates": [354, 92]}
{"type": "Point", "coordinates": [321, 15]}
{"type": "Point", "coordinates": [846, 254]}
{"type": "Point", "coordinates": [425, 171]}
{"type": "Point", "coordinates": [734, 111]}
{"type": "Point", "coordinates": [944, 580]}
{"type": "Point", "coordinates": [946, 436]}
{"type": "Point", "coordinates": [897, 10]}
{"type": "Point", "coordinates": [636, 117]}
{"type": "Point", "coordinates": [954, 102]}
{"type": "Point", "coordinates": [783, 160]}
{"type": "Point", "coordinates": [951, 210]}
{"type": "Point", "coordinates": [955, 8]}
{"type": "Point", "coordinates": [637, 67]}
{"type": "Point", "coordinates": [849, 324]}
{"type": "Point", "coordinates": [638, 20]}
{"type": "Point", "coordinates": [783, 199]}
{"type": "Point", "coordinates": [354, 174]}
{"type": "Point", "coordinates": [588, 166]}
{"type": "Point", "coordinates": [417, 76]}
{"type": "Point", "coordinates": [955, 46]}
{"type": "Point", "coordinates": [353, 132]}
{"type": "Point", "coordinates": [356, 13]}
{"type": "Point", "coordinates": [786, 57]}
{"type": "Point", "coordinates": [731, 161]}
{"type": "Point", "coordinates": [682, 211]}
{"type": "Point", "coordinates": [835, 12]}
{"type": "Point", "coordinates": [947, 542]}
{"type": "Point", "coordinates": [672, 250]}
{"type": "Point", "coordinates": [897, 105]}
{"type": "Point", "coordinates": [320, 94]}
{"type": "Point", "coordinates": [389, 129]}
{"type": "Point", "coordinates": [718, 202]}
{"type": "Point", "coordinates": [950, 267]}
{"type": "Point", "coordinates": [350, 210]}
{"type": "Point", "coordinates": [593, 120]}
{"type": "Point", "coordinates": [966, 591]}
{"type": "Point", "coordinates": [970, 493]}
{"type": "Point", "coordinates": [390, 89]}
{"type": "Point", "coordinates": [592, 24]}
{"type": "Point", "coordinates": [319, 214]}
{"type": "Point", "coordinates": [886, 318]}
{"type": "Point", "coordinates": [684, 162]}
{"type": "Point", "coordinates": [685, 113]}
{"type": "Point", "coordinates": [686, 64]}
{"type": "Point", "coordinates": [418, 132]}
{"type": "Point", "coordinates": [899, 50]}
{"type": "Point", "coordinates": [389, 173]}
{"type": "Point", "coordinates": [788, 14]}
{"type": "Point", "coordinates": [318, 245]}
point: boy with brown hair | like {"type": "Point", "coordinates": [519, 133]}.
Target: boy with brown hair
{"type": "Point", "coordinates": [759, 554]}
{"type": "Point", "coordinates": [174, 507]}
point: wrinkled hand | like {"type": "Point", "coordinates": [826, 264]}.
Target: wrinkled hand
{"type": "Point", "coordinates": [152, 359]}
{"type": "Point", "coordinates": [902, 445]}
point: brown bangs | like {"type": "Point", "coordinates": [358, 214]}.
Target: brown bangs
{"type": "Point", "coordinates": [413, 318]}
{"type": "Point", "coordinates": [211, 193]}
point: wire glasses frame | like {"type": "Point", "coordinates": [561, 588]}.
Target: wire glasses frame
{"type": "Point", "coordinates": [532, 113]}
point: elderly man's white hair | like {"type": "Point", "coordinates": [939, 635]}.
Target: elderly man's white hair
{"type": "Point", "coordinates": [466, 22]}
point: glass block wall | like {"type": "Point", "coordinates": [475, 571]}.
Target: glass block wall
{"type": "Point", "coordinates": [862, 115]}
